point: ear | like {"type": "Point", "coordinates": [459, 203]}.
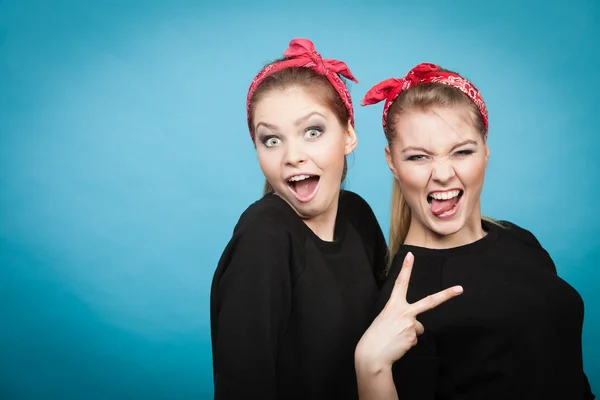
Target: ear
{"type": "Point", "coordinates": [351, 140]}
{"type": "Point", "coordinates": [390, 161]}
{"type": "Point", "coordinates": [487, 155]}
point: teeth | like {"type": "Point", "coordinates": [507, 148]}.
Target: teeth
{"type": "Point", "coordinates": [445, 195]}
{"type": "Point", "coordinates": [299, 178]}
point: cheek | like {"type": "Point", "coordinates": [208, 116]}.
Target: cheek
{"type": "Point", "coordinates": [330, 153]}
{"type": "Point", "coordinates": [412, 178]}
{"type": "Point", "coordinates": [269, 162]}
{"type": "Point", "coordinates": [472, 173]}
{"type": "Point", "coordinates": [413, 182]}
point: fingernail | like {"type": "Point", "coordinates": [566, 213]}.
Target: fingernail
{"type": "Point", "coordinates": [409, 256]}
{"type": "Point", "coordinates": [457, 289]}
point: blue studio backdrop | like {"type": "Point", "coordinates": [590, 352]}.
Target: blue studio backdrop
{"type": "Point", "coordinates": [125, 162]}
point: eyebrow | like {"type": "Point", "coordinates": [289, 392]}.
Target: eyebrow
{"type": "Point", "coordinates": [413, 148]}
{"type": "Point", "coordinates": [298, 122]}
{"type": "Point", "coordinates": [307, 116]}
{"type": "Point", "coordinates": [266, 125]}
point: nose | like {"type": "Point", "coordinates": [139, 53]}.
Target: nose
{"type": "Point", "coordinates": [443, 172]}
{"type": "Point", "coordinates": [294, 154]}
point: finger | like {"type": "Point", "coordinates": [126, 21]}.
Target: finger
{"type": "Point", "coordinates": [435, 300]}
{"type": "Point", "coordinates": [401, 285]}
{"type": "Point", "coordinates": [419, 328]}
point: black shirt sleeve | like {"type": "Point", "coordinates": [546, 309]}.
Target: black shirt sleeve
{"type": "Point", "coordinates": [588, 389]}
{"type": "Point", "coordinates": [530, 239]}
{"type": "Point", "coordinates": [250, 307]}
{"type": "Point", "coordinates": [361, 216]}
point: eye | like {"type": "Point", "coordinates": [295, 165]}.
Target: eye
{"type": "Point", "coordinates": [463, 153]}
{"type": "Point", "coordinates": [417, 157]}
{"type": "Point", "coordinates": [313, 132]}
{"type": "Point", "coordinates": [271, 141]}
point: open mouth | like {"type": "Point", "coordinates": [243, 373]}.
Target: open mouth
{"type": "Point", "coordinates": [444, 204]}
{"type": "Point", "coordinates": [304, 187]}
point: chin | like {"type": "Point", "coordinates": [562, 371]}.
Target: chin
{"type": "Point", "coordinates": [308, 212]}
{"type": "Point", "coordinates": [317, 206]}
{"type": "Point", "coordinates": [446, 228]}
{"type": "Point", "coordinates": [305, 210]}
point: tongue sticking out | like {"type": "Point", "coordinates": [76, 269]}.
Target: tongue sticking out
{"type": "Point", "coordinates": [306, 187]}
{"type": "Point", "coordinates": [441, 206]}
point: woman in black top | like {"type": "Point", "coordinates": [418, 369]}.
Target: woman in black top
{"type": "Point", "coordinates": [515, 333]}
{"type": "Point", "coordinates": [295, 286]}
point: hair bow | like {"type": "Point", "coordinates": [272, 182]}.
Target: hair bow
{"type": "Point", "coordinates": [302, 53]}
{"type": "Point", "coordinates": [390, 89]}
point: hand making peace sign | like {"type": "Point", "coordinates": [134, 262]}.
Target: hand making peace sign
{"type": "Point", "coordinates": [395, 330]}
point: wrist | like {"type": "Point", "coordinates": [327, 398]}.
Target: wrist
{"type": "Point", "coordinates": [368, 365]}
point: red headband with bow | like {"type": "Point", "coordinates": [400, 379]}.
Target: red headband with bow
{"type": "Point", "coordinates": [302, 53]}
{"type": "Point", "coordinates": [389, 89]}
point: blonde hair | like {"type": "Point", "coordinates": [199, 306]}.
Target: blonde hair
{"type": "Point", "coordinates": [421, 97]}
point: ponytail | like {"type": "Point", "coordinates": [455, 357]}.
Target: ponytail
{"type": "Point", "coordinates": [399, 222]}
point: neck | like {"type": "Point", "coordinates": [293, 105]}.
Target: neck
{"type": "Point", "coordinates": [421, 236]}
{"type": "Point", "coordinates": [323, 225]}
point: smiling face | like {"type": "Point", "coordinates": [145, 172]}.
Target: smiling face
{"type": "Point", "coordinates": [439, 160]}
{"type": "Point", "coordinates": [301, 149]}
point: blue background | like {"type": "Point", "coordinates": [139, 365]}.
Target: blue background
{"type": "Point", "coordinates": [125, 163]}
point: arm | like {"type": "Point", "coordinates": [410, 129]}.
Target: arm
{"type": "Point", "coordinates": [548, 263]}
{"type": "Point", "coordinates": [250, 303]}
{"type": "Point", "coordinates": [362, 217]}
{"type": "Point", "coordinates": [375, 383]}
{"type": "Point", "coordinates": [413, 377]}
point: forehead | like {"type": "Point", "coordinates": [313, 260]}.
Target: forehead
{"type": "Point", "coordinates": [284, 106]}
{"type": "Point", "coordinates": [438, 127]}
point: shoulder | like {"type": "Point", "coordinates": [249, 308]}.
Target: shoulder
{"type": "Point", "coordinates": [269, 215]}
{"type": "Point", "coordinates": [261, 241]}
{"type": "Point", "coordinates": [351, 201]}
{"type": "Point", "coordinates": [264, 225]}
{"type": "Point", "coordinates": [519, 233]}
{"type": "Point", "coordinates": [522, 237]}
{"type": "Point", "coordinates": [360, 215]}
{"type": "Point", "coordinates": [356, 209]}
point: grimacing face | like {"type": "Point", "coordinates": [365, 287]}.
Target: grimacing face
{"type": "Point", "coordinates": [439, 160]}
{"type": "Point", "coordinates": [301, 148]}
